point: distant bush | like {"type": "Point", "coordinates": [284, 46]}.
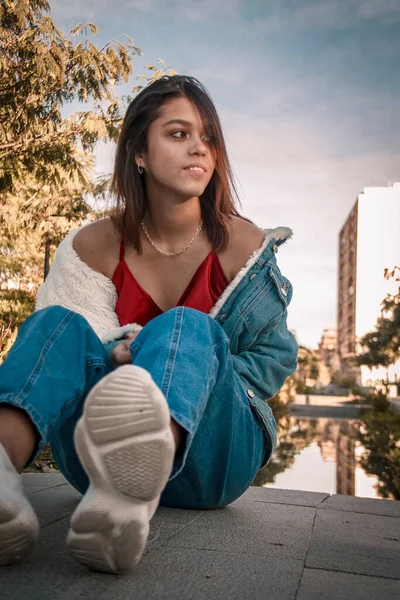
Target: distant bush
{"type": "Point", "coordinates": [15, 307]}
{"type": "Point", "coordinates": [302, 388]}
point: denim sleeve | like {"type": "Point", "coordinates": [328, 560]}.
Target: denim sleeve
{"type": "Point", "coordinates": [265, 367]}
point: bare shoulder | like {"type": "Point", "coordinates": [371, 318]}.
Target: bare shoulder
{"type": "Point", "coordinates": [244, 239]}
{"type": "Point", "coordinates": [97, 245]}
{"type": "Point", "coordinates": [244, 235]}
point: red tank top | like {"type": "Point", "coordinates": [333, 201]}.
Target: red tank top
{"type": "Point", "coordinates": [135, 305]}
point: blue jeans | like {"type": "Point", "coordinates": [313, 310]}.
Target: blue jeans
{"type": "Point", "coordinates": [57, 358]}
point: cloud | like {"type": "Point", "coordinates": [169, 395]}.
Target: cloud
{"type": "Point", "coordinates": [191, 10]}
{"type": "Point", "coordinates": [370, 9]}
{"type": "Point", "coordinates": [330, 14]}
{"type": "Point", "coordinates": [266, 17]}
{"type": "Point", "coordinates": [217, 70]}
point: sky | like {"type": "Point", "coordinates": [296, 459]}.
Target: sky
{"type": "Point", "coordinates": [308, 92]}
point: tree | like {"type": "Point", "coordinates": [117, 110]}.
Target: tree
{"type": "Point", "coordinates": [381, 347]}
{"type": "Point", "coordinates": [46, 158]}
{"type": "Point", "coordinates": [379, 434]}
{"type": "Point", "coordinates": [308, 368]}
{"type": "Point", "coordinates": [40, 71]}
{"type": "Point", "coordinates": [30, 217]}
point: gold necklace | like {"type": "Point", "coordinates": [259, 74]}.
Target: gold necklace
{"type": "Point", "coordinates": [165, 252]}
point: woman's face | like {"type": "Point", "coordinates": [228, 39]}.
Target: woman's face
{"type": "Point", "coordinates": [179, 158]}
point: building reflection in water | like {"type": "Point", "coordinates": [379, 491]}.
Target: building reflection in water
{"type": "Point", "coordinates": [336, 454]}
{"type": "Point", "coordinates": [337, 443]}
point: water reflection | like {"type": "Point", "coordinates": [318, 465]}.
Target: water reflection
{"type": "Point", "coordinates": [340, 456]}
{"type": "Point", "coordinates": [337, 440]}
{"type": "Point", "coordinates": [294, 435]}
{"type": "Point", "coordinates": [379, 433]}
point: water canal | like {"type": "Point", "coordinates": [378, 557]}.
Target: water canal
{"type": "Point", "coordinates": [322, 450]}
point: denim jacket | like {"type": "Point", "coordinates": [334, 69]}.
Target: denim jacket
{"type": "Point", "coordinates": [252, 311]}
{"type": "Point", "coordinates": [253, 315]}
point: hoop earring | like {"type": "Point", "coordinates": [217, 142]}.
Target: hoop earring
{"type": "Point", "coordinates": [140, 169]}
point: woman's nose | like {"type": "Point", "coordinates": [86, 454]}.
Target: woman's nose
{"type": "Point", "coordinates": [198, 146]}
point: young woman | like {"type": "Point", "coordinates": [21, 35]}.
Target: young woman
{"type": "Point", "coordinates": [160, 334]}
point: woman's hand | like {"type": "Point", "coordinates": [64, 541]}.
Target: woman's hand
{"type": "Point", "coordinates": [120, 354]}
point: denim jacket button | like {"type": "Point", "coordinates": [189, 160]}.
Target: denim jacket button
{"type": "Point", "coordinates": [252, 276]}
{"type": "Point", "coordinates": [223, 318]}
{"type": "Point", "coordinates": [250, 393]}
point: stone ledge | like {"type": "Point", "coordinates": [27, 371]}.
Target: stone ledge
{"type": "Point", "coordinates": [275, 544]}
{"type": "Point", "coordinates": [370, 506]}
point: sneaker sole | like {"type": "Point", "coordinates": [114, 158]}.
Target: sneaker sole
{"type": "Point", "coordinates": [19, 528]}
{"type": "Point", "coordinates": [126, 447]}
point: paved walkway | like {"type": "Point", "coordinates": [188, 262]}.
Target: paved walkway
{"type": "Point", "coordinates": [270, 544]}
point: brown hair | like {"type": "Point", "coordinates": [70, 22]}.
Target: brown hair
{"type": "Point", "coordinates": [128, 186]}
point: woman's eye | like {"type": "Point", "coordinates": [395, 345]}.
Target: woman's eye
{"type": "Point", "coordinates": [178, 134]}
{"type": "Point", "coordinates": [207, 138]}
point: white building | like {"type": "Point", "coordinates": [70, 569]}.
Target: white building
{"type": "Point", "coordinates": [369, 244]}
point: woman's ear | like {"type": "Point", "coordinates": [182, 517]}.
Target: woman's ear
{"type": "Point", "coordinates": [140, 160]}
{"type": "Point", "coordinates": [139, 157]}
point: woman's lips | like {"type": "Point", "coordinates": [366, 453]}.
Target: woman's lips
{"type": "Point", "coordinates": [196, 170]}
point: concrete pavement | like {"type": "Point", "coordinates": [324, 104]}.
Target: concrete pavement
{"type": "Point", "coordinates": [269, 544]}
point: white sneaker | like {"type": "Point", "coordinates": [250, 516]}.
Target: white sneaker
{"type": "Point", "coordinates": [126, 447]}
{"type": "Point", "coordinates": [19, 526]}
